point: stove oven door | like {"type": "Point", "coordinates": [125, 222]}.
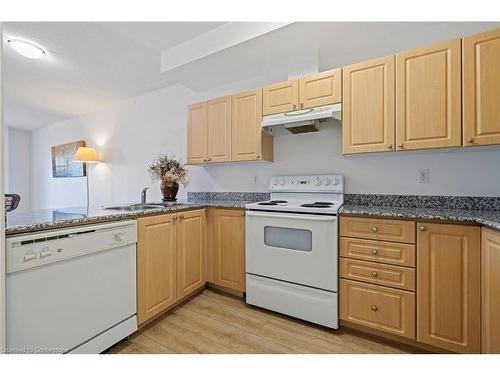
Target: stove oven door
{"type": "Point", "coordinates": [297, 248]}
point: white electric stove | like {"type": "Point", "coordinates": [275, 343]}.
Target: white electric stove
{"type": "Point", "coordinates": [292, 248]}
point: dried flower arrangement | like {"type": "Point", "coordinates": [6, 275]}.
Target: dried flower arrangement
{"type": "Point", "coordinates": [170, 172]}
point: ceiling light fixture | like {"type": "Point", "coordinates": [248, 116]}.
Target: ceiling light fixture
{"type": "Point", "coordinates": [27, 49]}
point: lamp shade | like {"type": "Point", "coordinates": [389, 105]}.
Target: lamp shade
{"type": "Point", "coordinates": [86, 155]}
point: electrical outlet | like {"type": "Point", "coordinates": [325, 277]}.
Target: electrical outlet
{"type": "Point", "coordinates": [423, 176]}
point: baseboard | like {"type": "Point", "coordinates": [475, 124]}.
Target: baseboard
{"type": "Point", "coordinates": [234, 292]}
{"type": "Point", "coordinates": [371, 332]}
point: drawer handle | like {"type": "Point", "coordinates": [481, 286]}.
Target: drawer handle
{"type": "Point", "coordinates": [375, 274]}
{"type": "Point", "coordinates": [423, 228]}
{"type": "Point", "coordinates": [374, 251]}
{"type": "Point", "coordinates": [374, 308]}
{"type": "Point", "coordinates": [374, 229]}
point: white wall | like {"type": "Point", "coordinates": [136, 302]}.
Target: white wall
{"type": "Point", "coordinates": [19, 166]}
{"type": "Point", "coordinates": [127, 136]}
{"type": "Point", "coordinates": [130, 134]}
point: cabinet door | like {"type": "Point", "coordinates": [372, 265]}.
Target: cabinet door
{"type": "Point", "coordinates": [280, 97]}
{"type": "Point", "coordinates": [481, 91]}
{"type": "Point", "coordinates": [156, 266]}
{"type": "Point", "coordinates": [428, 97]}
{"type": "Point", "coordinates": [491, 290]}
{"type": "Point", "coordinates": [448, 286]}
{"type": "Point", "coordinates": [246, 111]}
{"type": "Point", "coordinates": [197, 134]}
{"type": "Point", "coordinates": [229, 248]}
{"type": "Point", "coordinates": [368, 106]}
{"type": "Point", "coordinates": [191, 252]}
{"type": "Point", "coordinates": [320, 89]}
{"type": "Point", "coordinates": [386, 309]}
{"type": "Point", "coordinates": [219, 129]}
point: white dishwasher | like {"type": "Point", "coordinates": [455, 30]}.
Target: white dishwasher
{"type": "Point", "coordinates": [71, 290]}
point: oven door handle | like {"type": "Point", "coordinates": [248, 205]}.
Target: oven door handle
{"type": "Point", "coordinates": [291, 216]}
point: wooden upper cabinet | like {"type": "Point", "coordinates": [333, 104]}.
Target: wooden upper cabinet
{"type": "Point", "coordinates": [156, 266]}
{"type": "Point", "coordinates": [320, 89]}
{"type": "Point", "coordinates": [248, 141]}
{"type": "Point", "coordinates": [448, 286]}
{"type": "Point", "coordinates": [229, 248]}
{"type": "Point", "coordinates": [428, 91]}
{"type": "Point", "coordinates": [481, 89]}
{"type": "Point", "coordinates": [314, 90]}
{"type": "Point", "coordinates": [191, 252]}
{"type": "Point", "coordinates": [197, 152]}
{"type": "Point", "coordinates": [490, 258]}
{"type": "Point", "coordinates": [368, 104]}
{"type": "Point", "coordinates": [219, 129]}
{"type": "Point", "coordinates": [280, 97]}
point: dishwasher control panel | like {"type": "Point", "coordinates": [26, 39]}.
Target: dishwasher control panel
{"type": "Point", "coordinates": [33, 250]}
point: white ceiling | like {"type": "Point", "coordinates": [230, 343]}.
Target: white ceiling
{"type": "Point", "coordinates": [93, 65]}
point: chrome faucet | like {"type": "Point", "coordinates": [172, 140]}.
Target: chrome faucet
{"type": "Point", "coordinates": [143, 195]}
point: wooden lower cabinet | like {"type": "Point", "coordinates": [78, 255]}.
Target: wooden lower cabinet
{"type": "Point", "coordinates": [227, 263]}
{"type": "Point", "coordinates": [156, 266]}
{"type": "Point", "coordinates": [171, 260]}
{"type": "Point", "coordinates": [385, 309]}
{"type": "Point", "coordinates": [490, 249]}
{"type": "Point", "coordinates": [376, 273]}
{"type": "Point", "coordinates": [448, 286]}
{"type": "Point", "coordinates": [191, 252]}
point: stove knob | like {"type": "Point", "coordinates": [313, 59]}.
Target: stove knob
{"type": "Point", "coordinates": [335, 181]}
{"type": "Point", "coordinates": [275, 182]}
{"type": "Point", "coordinates": [326, 181]}
{"type": "Point", "coordinates": [118, 237]}
{"type": "Point", "coordinates": [317, 182]}
{"type": "Point", "coordinates": [283, 182]}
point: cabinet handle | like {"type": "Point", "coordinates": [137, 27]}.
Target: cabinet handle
{"type": "Point", "coordinates": [374, 308]}
{"type": "Point", "coordinates": [423, 228]}
{"type": "Point", "coordinates": [174, 218]}
{"type": "Point", "coordinates": [470, 140]}
{"type": "Point", "coordinates": [389, 145]}
{"type": "Point", "coordinates": [374, 251]}
{"type": "Point", "coordinates": [181, 217]}
{"type": "Point", "coordinates": [258, 156]}
{"type": "Point", "coordinates": [401, 145]}
{"type": "Point", "coordinates": [374, 229]}
{"type": "Point", "coordinates": [295, 106]}
{"type": "Point", "coordinates": [301, 105]}
{"type": "Point", "coordinates": [242, 214]}
{"type": "Point", "coordinates": [375, 274]}
{"type": "Point", "coordinates": [204, 160]}
{"type": "Point", "coordinates": [209, 159]}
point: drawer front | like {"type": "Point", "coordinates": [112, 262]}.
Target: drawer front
{"type": "Point", "coordinates": [378, 251]}
{"type": "Point", "coordinates": [385, 309]}
{"type": "Point", "coordinates": [378, 229]}
{"type": "Point", "coordinates": [380, 274]}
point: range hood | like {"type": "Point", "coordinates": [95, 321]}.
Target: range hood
{"type": "Point", "coordinates": [302, 120]}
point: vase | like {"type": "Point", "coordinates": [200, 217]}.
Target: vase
{"type": "Point", "coordinates": [169, 191]}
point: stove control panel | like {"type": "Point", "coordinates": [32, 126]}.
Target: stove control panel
{"type": "Point", "coordinates": [314, 183]}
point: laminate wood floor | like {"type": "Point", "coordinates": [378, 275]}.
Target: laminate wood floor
{"type": "Point", "coordinates": [213, 322]}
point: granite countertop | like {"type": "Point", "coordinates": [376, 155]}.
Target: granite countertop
{"type": "Point", "coordinates": [24, 222]}
{"type": "Point", "coordinates": [479, 210]}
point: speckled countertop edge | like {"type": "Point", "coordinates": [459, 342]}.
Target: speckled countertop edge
{"type": "Point", "coordinates": [486, 218]}
{"type": "Point", "coordinates": [32, 222]}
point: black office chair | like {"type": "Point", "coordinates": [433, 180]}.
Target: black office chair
{"type": "Point", "coordinates": [11, 202]}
